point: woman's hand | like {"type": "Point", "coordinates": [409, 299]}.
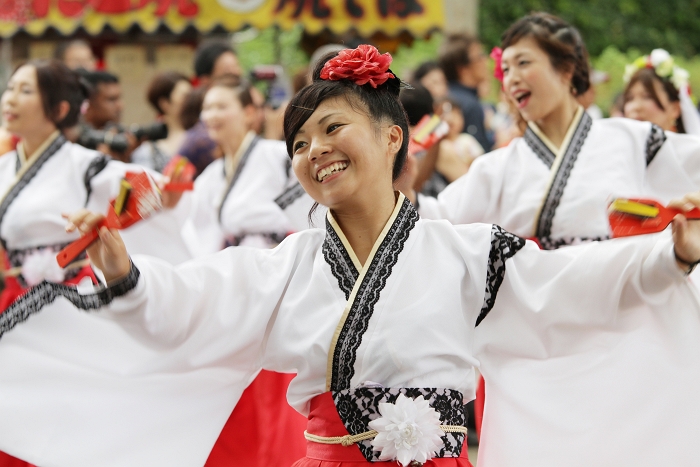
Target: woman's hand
{"type": "Point", "coordinates": [108, 252]}
{"type": "Point", "coordinates": [168, 198]}
{"type": "Point", "coordinates": [686, 235]}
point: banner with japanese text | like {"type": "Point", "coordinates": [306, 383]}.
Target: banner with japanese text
{"type": "Point", "coordinates": [365, 16]}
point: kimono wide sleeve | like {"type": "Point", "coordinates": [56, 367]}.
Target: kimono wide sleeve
{"type": "Point", "coordinates": [545, 353]}
{"type": "Point", "coordinates": [151, 377]}
{"type": "Point", "coordinates": [223, 301]}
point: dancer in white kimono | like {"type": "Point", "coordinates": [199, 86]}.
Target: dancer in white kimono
{"type": "Point", "coordinates": [241, 199]}
{"type": "Point", "coordinates": [554, 184]}
{"type": "Point", "coordinates": [249, 197]}
{"type": "Point", "coordinates": [46, 177]}
{"type": "Point", "coordinates": [380, 314]}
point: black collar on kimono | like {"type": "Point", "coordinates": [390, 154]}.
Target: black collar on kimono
{"type": "Point", "coordinates": [561, 168]}
{"type": "Point", "coordinates": [237, 172]}
{"type": "Point", "coordinates": [362, 296]}
{"type": "Point", "coordinates": [28, 176]}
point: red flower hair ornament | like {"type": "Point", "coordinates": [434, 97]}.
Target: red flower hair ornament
{"type": "Point", "coordinates": [497, 56]}
{"type": "Point", "coordinates": [361, 66]}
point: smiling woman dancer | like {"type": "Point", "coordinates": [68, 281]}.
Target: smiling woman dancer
{"type": "Point", "coordinates": [379, 312]}
{"type": "Point", "coordinates": [554, 184]}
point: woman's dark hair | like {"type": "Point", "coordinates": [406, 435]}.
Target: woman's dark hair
{"type": "Point", "coordinates": [381, 104]}
{"type": "Point", "coordinates": [57, 83]}
{"type": "Point", "coordinates": [417, 103]}
{"type": "Point", "coordinates": [646, 77]}
{"type": "Point", "coordinates": [561, 41]}
{"type": "Point", "coordinates": [162, 86]}
{"type": "Point", "coordinates": [207, 54]}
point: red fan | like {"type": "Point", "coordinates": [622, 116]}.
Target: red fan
{"type": "Point", "coordinates": [138, 198]}
{"type": "Point", "coordinates": [642, 216]}
{"type": "Point", "coordinates": [181, 173]}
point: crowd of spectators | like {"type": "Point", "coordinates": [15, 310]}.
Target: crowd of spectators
{"type": "Point", "coordinates": [451, 86]}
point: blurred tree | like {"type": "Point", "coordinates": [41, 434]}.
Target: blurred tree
{"type": "Point", "coordinates": [625, 24]}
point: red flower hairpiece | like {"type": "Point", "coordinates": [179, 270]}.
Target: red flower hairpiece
{"type": "Point", "coordinates": [497, 55]}
{"type": "Point", "coordinates": [361, 66]}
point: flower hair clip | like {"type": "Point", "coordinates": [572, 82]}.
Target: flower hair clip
{"type": "Point", "coordinates": [663, 65]}
{"type": "Point", "coordinates": [497, 56]}
{"type": "Point", "coordinates": [363, 65]}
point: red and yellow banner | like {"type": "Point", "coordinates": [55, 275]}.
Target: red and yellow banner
{"type": "Point", "coordinates": [366, 16]}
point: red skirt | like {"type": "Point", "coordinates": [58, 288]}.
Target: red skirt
{"type": "Point", "coordinates": [8, 461]}
{"type": "Point", "coordinates": [325, 421]}
{"type": "Point", "coordinates": [263, 430]}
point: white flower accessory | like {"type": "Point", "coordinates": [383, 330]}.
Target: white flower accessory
{"type": "Point", "coordinates": [680, 78]}
{"type": "Point", "coordinates": [663, 65]}
{"type": "Point", "coordinates": [42, 265]}
{"type": "Point", "coordinates": [658, 56]}
{"type": "Point", "coordinates": [408, 430]}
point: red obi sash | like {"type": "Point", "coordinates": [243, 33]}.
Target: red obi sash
{"type": "Point", "coordinates": [325, 421]}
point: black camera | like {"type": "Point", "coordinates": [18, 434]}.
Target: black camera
{"type": "Point", "coordinates": [150, 132]}
{"type": "Point", "coordinates": [118, 141]}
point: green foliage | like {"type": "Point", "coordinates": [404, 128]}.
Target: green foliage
{"type": "Point", "coordinates": [265, 47]}
{"type": "Point", "coordinates": [407, 59]}
{"type": "Point", "coordinates": [625, 24]}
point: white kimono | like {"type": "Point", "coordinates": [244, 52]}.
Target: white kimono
{"type": "Point", "coordinates": [633, 401]}
{"type": "Point", "coordinates": [62, 177]}
{"type": "Point", "coordinates": [251, 198]}
{"type": "Point", "coordinates": [405, 322]}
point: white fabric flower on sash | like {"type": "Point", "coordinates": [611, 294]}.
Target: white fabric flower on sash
{"type": "Point", "coordinates": [408, 430]}
{"type": "Point", "coordinates": [42, 265]}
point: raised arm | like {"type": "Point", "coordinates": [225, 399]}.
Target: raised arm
{"type": "Point", "coordinates": [552, 303]}
{"type": "Point", "coordinates": [224, 300]}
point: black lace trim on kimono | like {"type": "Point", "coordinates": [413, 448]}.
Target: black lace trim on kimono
{"type": "Point", "coordinates": [504, 245]}
{"type": "Point", "coordinates": [339, 260]}
{"type": "Point", "coordinates": [656, 139]}
{"type": "Point", "coordinates": [96, 166]}
{"type": "Point", "coordinates": [290, 195]}
{"type": "Point", "coordinates": [237, 173]}
{"type": "Point", "coordinates": [540, 149]}
{"type": "Point", "coordinates": [561, 178]}
{"type": "Point", "coordinates": [373, 283]}
{"type": "Point", "coordinates": [28, 177]}
{"type": "Point", "coordinates": [46, 292]}
{"type": "Point", "coordinates": [549, 243]}
{"type": "Point", "coordinates": [17, 258]}
{"type": "Point", "coordinates": [357, 407]}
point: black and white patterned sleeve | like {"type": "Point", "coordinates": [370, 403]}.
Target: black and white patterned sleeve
{"type": "Point", "coordinates": [504, 245]}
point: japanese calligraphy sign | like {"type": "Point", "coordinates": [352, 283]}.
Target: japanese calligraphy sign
{"type": "Point", "coordinates": [365, 16]}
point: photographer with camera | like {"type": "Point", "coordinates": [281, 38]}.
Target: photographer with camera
{"type": "Point", "coordinates": [100, 127]}
{"type": "Point", "coordinates": [166, 94]}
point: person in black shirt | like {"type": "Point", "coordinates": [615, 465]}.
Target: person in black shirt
{"type": "Point", "coordinates": [463, 61]}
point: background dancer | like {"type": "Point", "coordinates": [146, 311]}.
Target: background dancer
{"type": "Point", "coordinates": [237, 204]}
{"type": "Point", "coordinates": [554, 184]}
